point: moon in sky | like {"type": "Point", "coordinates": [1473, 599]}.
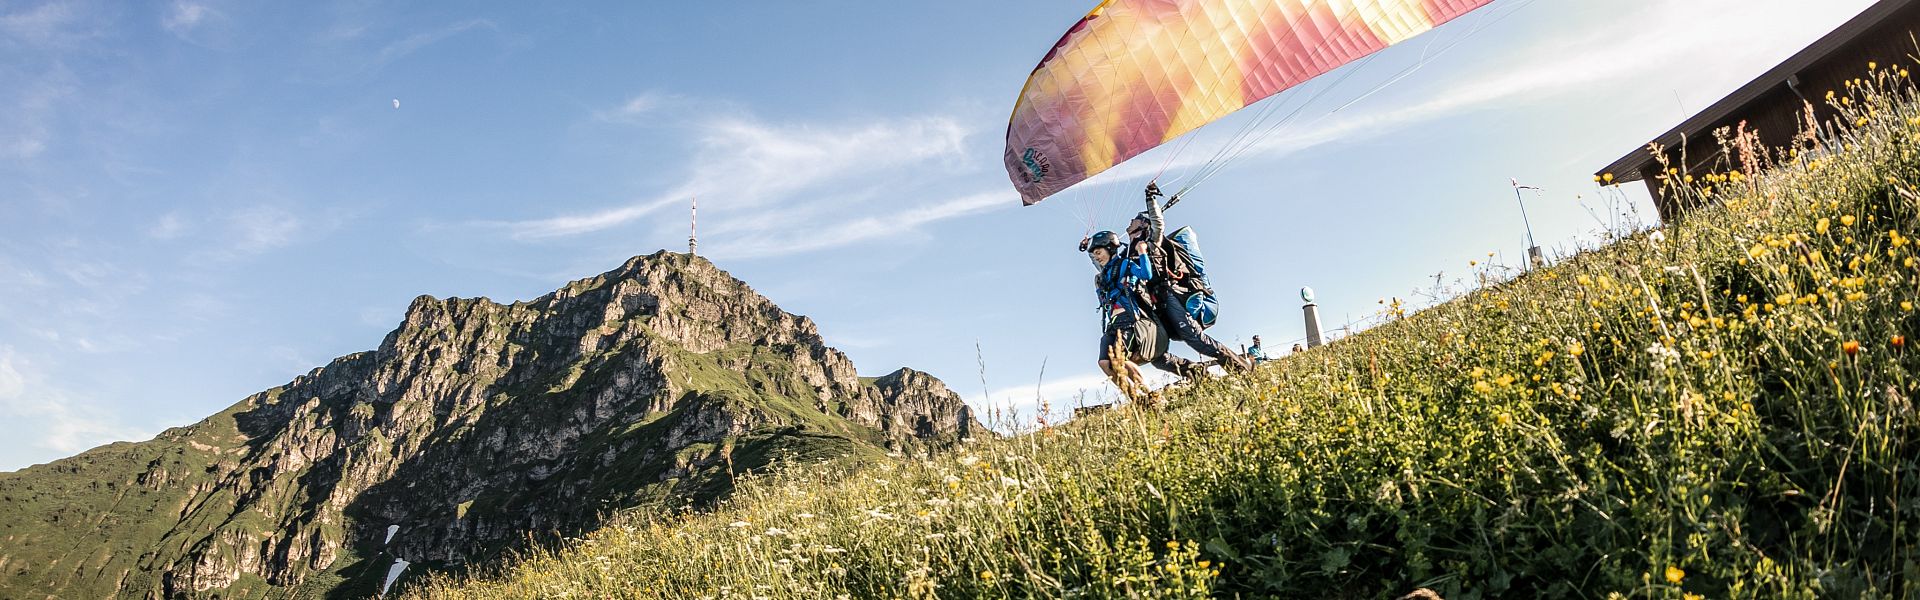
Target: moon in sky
{"type": "Point", "coordinates": [396, 103]}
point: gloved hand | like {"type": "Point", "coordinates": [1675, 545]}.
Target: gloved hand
{"type": "Point", "coordinates": [1084, 241]}
{"type": "Point", "coordinates": [1153, 191]}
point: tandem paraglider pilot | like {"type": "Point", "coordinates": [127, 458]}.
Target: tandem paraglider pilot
{"type": "Point", "coordinates": [1184, 302]}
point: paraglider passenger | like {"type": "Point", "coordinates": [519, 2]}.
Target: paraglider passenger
{"type": "Point", "coordinates": [1126, 318]}
{"type": "Point", "coordinates": [1173, 284]}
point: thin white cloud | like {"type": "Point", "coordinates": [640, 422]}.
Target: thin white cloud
{"type": "Point", "coordinates": [742, 164]}
{"type": "Point", "coordinates": [183, 16]}
{"type": "Point", "coordinates": [415, 42]}
{"type": "Point", "coordinates": [253, 230]}
{"type": "Point", "coordinates": [349, 54]}
{"type": "Point", "coordinates": [28, 129]}
{"type": "Point", "coordinates": [587, 223]}
{"type": "Point", "coordinates": [643, 105]}
{"type": "Point", "coordinates": [170, 226]}
{"type": "Point", "coordinates": [46, 23]}
{"type": "Point", "coordinates": [262, 228]}
{"type": "Point", "coordinates": [818, 233]}
{"type": "Point", "coordinates": [19, 279]}
{"type": "Point", "coordinates": [12, 383]}
{"type": "Point", "coordinates": [292, 358]}
{"type": "Point", "coordinates": [55, 421]}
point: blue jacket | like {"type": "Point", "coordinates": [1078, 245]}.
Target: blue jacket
{"type": "Point", "coordinates": [1118, 286]}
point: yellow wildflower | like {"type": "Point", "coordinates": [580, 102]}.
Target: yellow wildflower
{"type": "Point", "coordinates": [1674, 574]}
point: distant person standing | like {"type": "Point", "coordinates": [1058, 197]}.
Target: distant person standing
{"type": "Point", "coordinates": [1255, 353]}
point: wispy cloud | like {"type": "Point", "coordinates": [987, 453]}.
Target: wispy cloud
{"type": "Point", "coordinates": [779, 237]}
{"type": "Point", "coordinates": [47, 23]}
{"type": "Point", "coordinates": [637, 108]}
{"type": "Point", "coordinates": [28, 129]}
{"type": "Point", "coordinates": [348, 47]}
{"type": "Point", "coordinates": [742, 165]}
{"type": "Point", "coordinates": [58, 423]}
{"type": "Point", "coordinates": [250, 231]}
{"type": "Point", "coordinates": [170, 226]}
{"type": "Point", "coordinates": [413, 43]}
{"type": "Point", "coordinates": [261, 228]}
{"type": "Point", "coordinates": [184, 15]}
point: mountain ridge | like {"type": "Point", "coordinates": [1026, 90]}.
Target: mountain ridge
{"type": "Point", "coordinates": [478, 428]}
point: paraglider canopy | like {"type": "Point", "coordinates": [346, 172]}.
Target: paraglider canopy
{"type": "Point", "coordinates": [1134, 74]}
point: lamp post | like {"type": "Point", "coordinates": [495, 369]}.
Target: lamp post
{"type": "Point", "coordinates": [1535, 259]}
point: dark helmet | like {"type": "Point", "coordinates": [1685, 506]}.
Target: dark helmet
{"type": "Point", "coordinates": [1104, 239]}
{"type": "Point", "coordinates": [1138, 226]}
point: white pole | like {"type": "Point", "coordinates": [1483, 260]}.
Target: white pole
{"type": "Point", "coordinates": [1313, 318]}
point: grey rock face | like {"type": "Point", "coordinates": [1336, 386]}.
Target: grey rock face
{"type": "Point", "coordinates": [474, 426]}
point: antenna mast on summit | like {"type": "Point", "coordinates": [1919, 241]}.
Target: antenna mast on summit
{"type": "Point", "coordinates": [693, 228]}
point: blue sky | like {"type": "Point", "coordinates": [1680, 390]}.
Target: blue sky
{"type": "Point", "coordinates": [202, 199]}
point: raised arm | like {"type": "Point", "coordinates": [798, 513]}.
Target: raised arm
{"type": "Point", "coordinates": [1156, 219]}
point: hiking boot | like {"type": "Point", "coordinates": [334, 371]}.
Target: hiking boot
{"type": "Point", "coordinates": [1235, 363]}
{"type": "Point", "coordinates": [1194, 372]}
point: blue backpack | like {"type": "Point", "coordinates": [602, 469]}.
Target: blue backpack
{"type": "Point", "coordinates": [1183, 257]}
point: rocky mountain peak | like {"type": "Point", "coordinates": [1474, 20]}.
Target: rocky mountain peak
{"type": "Point", "coordinates": [473, 427]}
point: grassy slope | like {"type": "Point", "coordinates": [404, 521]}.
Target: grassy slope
{"type": "Point", "coordinates": [1722, 409]}
{"type": "Point", "coordinates": [84, 523]}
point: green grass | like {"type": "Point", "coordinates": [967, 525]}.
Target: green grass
{"type": "Point", "coordinates": [1721, 410]}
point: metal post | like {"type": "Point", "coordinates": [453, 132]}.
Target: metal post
{"type": "Point", "coordinates": [1313, 317]}
{"type": "Point", "coordinates": [693, 228]}
{"type": "Point", "coordinates": [1535, 260]}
